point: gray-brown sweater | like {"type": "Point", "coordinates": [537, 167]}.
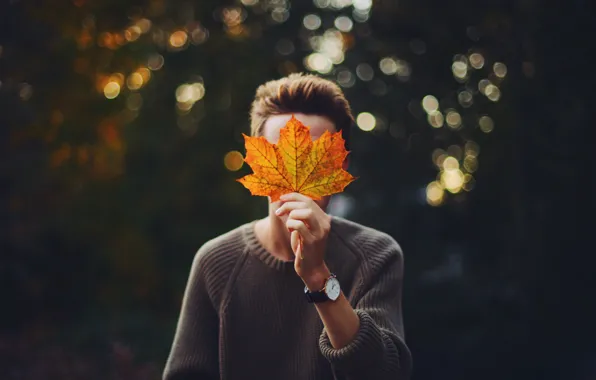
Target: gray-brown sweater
{"type": "Point", "coordinates": [244, 314]}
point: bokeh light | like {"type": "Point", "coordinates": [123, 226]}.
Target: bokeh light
{"type": "Point", "coordinates": [476, 60]}
{"type": "Point", "coordinates": [188, 94]}
{"type": "Point", "coordinates": [366, 121]}
{"type": "Point", "coordinates": [436, 119]}
{"type": "Point", "coordinates": [465, 98]}
{"type": "Point", "coordinates": [155, 62]}
{"type": "Point", "coordinates": [459, 67]}
{"type": "Point", "coordinates": [492, 92]}
{"type": "Point", "coordinates": [486, 124]}
{"type": "Point", "coordinates": [482, 85]}
{"type": "Point", "coordinates": [318, 62]}
{"type": "Point", "coordinates": [450, 163]}
{"type": "Point", "coordinates": [453, 119]}
{"type": "Point", "coordinates": [470, 164]}
{"type": "Point", "coordinates": [435, 193]}
{"type": "Point", "coordinates": [430, 103]}
{"type": "Point", "coordinates": [365, 72]}
{"type": "Point", "coordinates": [311, 22]}
{"type": "Point", "coordinates": [452, 180]}
{"type": "Point", "coordinates": [134, 81]}
{"type": "Point", "coordinates": [472, 149]}
{"type": "Point", "coordinates": [344, 24]}
{"type": "Point", "coordinates": [111, 90]}
{"type": "Point", "coordinates": [233, 160]}
{"type": "Point", "coordinates": [345, 78]}
{"type": "Point", "coordinates": [328, 51]}
{"type": "Point", "coordinates": [388, 65]}
{"type": "Point", "coordinates": [178, 39]}
{"type": "Point", "coordinates": [500, 69]}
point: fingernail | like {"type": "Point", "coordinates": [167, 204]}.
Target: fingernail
{"type": "Point", "coordinates": [278, 211]}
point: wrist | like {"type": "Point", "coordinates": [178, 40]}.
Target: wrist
{"type": "Point", "coordinates": [316, 278]}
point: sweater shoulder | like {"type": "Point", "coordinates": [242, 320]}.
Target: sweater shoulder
{"type": "Point", "coordinates": [222, 247]}
{"type": "Point", "coordinates": [371, 247]}
{"type": "Point", "coordinates": [216, 259]}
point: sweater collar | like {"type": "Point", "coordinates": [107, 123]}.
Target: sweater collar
{"type": "Point", "coordinates": [256, 249]}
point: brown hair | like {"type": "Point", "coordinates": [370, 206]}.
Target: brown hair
{"type": "Point", "coordinates": [301, 93]}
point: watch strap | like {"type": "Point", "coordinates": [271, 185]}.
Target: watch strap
{"type": "Point", "coordinates": [317, 296]}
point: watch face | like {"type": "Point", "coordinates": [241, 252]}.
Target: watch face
{"type": "Point", "coordinates": [332, 289]}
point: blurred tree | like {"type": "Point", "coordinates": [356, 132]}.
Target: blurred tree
{"type": "Point", "coordinates": [471, 147]}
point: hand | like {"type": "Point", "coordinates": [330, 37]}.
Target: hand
{"type": "Point", "coordinates": [309, 226]}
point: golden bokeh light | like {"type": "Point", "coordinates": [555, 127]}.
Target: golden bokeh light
{"type": "Point", "coordinates": [311, 22]}
{"type": "Point", "coordinates": [132, 33]}
{"type": "Point", "coordinates": [453, 119]}
{"type": "Point", "coordinates": [144, 24]}
{"type": "Point", "coordinates": [155, 62]}
{"type": "Point", "coordinates": [111, 90]}
{"type": "Point", "coordinates": [459, 67]}
{"type": "Point", "coordinates": [434, 194]}
{"type": "Point", "coordinates": [233, 16]}
{"type": "Point", "coordinates": [452, 180]}
{"type": "Point", "coordinates": [319, 62]}
{"type": "Point", "coordinates": [455, 151]}
{"type": "Point", "coordinates": [438, 156]}
{"type": "Point", "coordinates": [199, 35]}
{"type": "Point", "coordinates": [469, 182]}
{"type": "Point", "coordinates": [366, 121]}
{"type": "Point", "coordinates": [178, 39]}
{"type": "Point", "coordinates": [435, 119]}
{"type": "Point", "coordinates": [430, 103]}
{"type": "Point", "coordinates": [388, 66]}
{"type": "Point", "coordinates": [346, 79]}
{"type": "Point", "coordinates": [482, 84]}
{"type": "Point", "coordinates": [365, 72]}
{"type": "Point", "coordinates": [492, 92]}
{"type": "Point", "coordinates": [465, 98]}
{"type": "Point", "coordinates": [471, 148]}
{"type": "Point", "coordinates": [450, 163]}
{"type": "Point", "coordinates": [470, 164]}
{"type": "Point", "coordinates": [486, 124]}
{"type": "Point", "coordinates": [344, 24]}
{"type": "Point", "coordinates": [233, 160]}
{"type": "Point", "coordinates": [500, 69]}
{"type": "Point", "coordinates": [134, 81]}
{"type": "Point", "coordinates": [476, 60]}
{"type": "Point", "coordinates": [190, 93]}
{"type": "Point", "coordinates": [145, 74]}
{"type": "Point", "coordinates": [404, 71]}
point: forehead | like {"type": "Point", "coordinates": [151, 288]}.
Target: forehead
{"type": "Point", "coordinates": [317, 124]}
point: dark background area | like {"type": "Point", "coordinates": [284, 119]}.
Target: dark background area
{"type": "Point", "coordinates": [115, 118]}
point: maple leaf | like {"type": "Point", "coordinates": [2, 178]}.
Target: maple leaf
{"type": "Point", "coordinates": [296, 163]}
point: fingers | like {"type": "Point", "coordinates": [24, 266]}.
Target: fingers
{"type": "Point", "coordinates": [295, 197]}
{"type": "Point", "coordinates": [300, 226]}
{"type": "Point", "coordinates": [289, 206]}
{"type": "Point", "coordinates": [296, 246]}
{"type": "Point", "coordinates": [307, 216]}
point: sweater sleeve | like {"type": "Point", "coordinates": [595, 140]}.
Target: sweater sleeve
{"type": "Point", "coordinates": [194, 352]}
{"type": "Point", "coordinates": [378, 351]}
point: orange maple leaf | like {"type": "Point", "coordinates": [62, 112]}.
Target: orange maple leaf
{"type": "Point", "coordinates": [296, 163]}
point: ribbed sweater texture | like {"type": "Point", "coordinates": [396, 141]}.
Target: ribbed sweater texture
{"type": "Point", "coordinates": [244, 314]}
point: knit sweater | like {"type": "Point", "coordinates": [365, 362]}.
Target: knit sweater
{"type": "Point", "coordinates": [244, 314]}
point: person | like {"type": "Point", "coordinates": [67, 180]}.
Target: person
{"type": "Point", "coordinates": [253, 309]}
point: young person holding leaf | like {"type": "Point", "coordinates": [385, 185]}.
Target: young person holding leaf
{"type": "Point", "coordinates": [299, 294]}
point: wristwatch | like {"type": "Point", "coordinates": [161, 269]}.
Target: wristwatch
{"type": "Point", "coordinates": [330, 291]}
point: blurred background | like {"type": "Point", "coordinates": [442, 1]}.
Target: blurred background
{"type": "Point", "coordinates": [121, 141]}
